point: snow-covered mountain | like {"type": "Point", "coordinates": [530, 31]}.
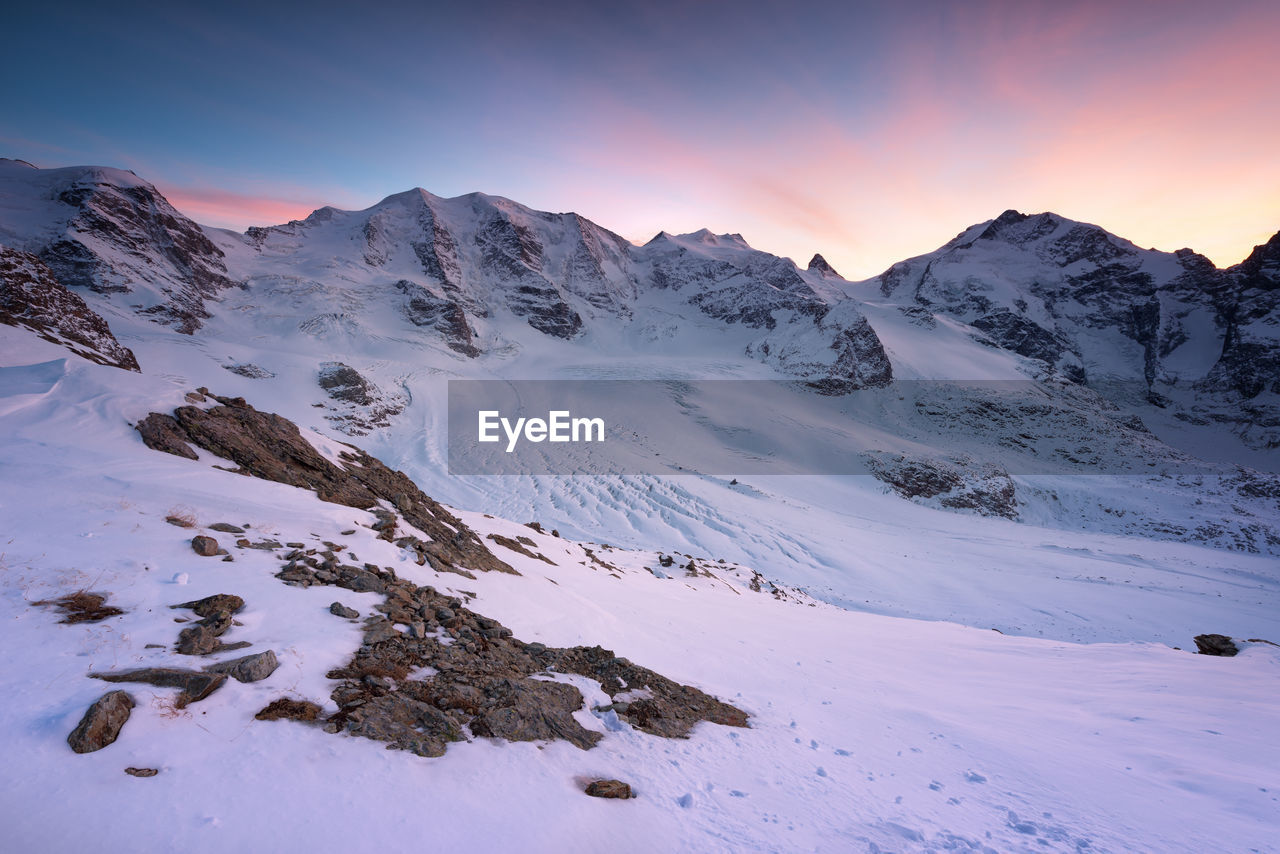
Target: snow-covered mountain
{"type": "Point", "coordinates": [1137, 323]}
{"type": "Point", "coordinates": [110, 232]}
{"type": "Point", "coordinates": [977, 384]}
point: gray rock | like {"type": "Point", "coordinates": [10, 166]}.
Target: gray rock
{"type": "Point", "coordinates": [141, 772]}
{"type": "Point", "coordinates": [197, 640]}
{"type": "Point", "coordinates": [340, 610]}
{"type": "Point", "coordinates": [226, 528]}
{"type": "Point", "coordinates": [1215, 645]}
{"type": "Point", "coordinates": [194, 685]}
{"type": "Point", "coordinates": [102, 722]}
{"type": "Point", "coordinates": [250, 668]}
{"type": "Point", "coordinates": [444, 614]}
{"type": "Point", "coordinates": [204, 546]}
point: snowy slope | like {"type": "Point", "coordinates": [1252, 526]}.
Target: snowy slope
{"type": "Point", "coordinates": [867, 732]}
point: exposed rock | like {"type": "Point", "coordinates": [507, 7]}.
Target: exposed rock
{"type": "Point", "coordinates": [212, 605]}
{"type": "Point", "coordinates": [102, 722]}
{"type": "Point", "coordinates": [404, 723]}
{"type": "Point", "coordinates": [110, 232]}
{"type": "Point", "coordinates": [615, 788]}
{"type": "Point", "coordinates": [226, 528]}
{"type": "Point", "coordinates": [204, 546]}
{"type": "Point", "coordinates": [141, 772]}
{"type": "Point", "coordinates": [198, 640]}
{"type": "Point", "coordinates": [819, 265]}
{"type": "Point", "coordinates": [32, 298]}
{"type": "Point", "coordinates": [250, 668]}
{"type": "Point", "coordinates": [1215, 645]}
{"type": "Point", "coordinates": [270, 447]}
{"type": "Point", "coordinates": [340, 610]}
{"type": "Point", "coordinates": [516, 546]}
{"type": "Point", "coordinates": [82, 607]}
{"type": "Point", "coordinates": [289, 709]}
{"type": "Point", "coordinates": [163, 433]}
{"type": "Point", "coordinates": [490, 682]}
{"type": "Point", "coordinates": [957, 485]}
{"type": "Point", "coordinates": [446, 316]}
{"type": "Point", "coordinates": [194, 685]}
{"type": "Point", "coordinates": [250, 370]}
{"type": "Point", "coordinates": [367, 406]}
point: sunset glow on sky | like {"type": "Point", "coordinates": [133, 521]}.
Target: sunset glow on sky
{"type": "Point", "coordinates": [866, 132]}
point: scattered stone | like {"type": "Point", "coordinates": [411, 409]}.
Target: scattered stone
{"type": "Point", "coordinates": [1215, 645]}
{"type": "Point", "coordinates": [198, 640]}
{"type": "Point", "coordinates": [340, 610]}
{"type": "Point", "coordinates": [194, 685]}
{"type": "Point", "coordinates": [226, 528]}
{"type": "Point", "coordinates": [288, 709]}
{"type": "Point", "coordinates": [296, 545]}
{"type": "Point", "coordinates": [250, 668]}
{"type": "Point", "coordinates": [102, 722]}
{"type": "Point", "coordinates": [347, 533]}
{"type": "Point", "coordinates": [608, 789]}
{"type": "Point", "coordinates": [204, 546]}
{"type": "Point", "coordinates": [515, 546]}
{"type": "Point", "coordinates": [141, 772]}
{"type": "Point", "coordinates": [82, 607]}
{"type": "Point", "coordinates": [181, 521]}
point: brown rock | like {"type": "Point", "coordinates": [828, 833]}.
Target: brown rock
{"type": "Point", "coordinates": [608, 789]}
{"type": "Point", "coordinates": [287, 709]}
{"type": "Point", "coordinates": [204, 546]}
{"type": "Point", "coordinates": [141, 772]}
{"type": "Point", "coordinates": [102, 722]}
{"type": "Point", "coordinates": [211, 605]}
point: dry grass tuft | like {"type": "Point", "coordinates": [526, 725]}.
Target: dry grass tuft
{"type": "Point", "coordinates": [82, 607]}
{"type": "Point", "coordinates": [183, 517]}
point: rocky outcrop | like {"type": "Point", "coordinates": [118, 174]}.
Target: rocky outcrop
{"type": "Point", "coordinates": [363, 406]}
{"type": "Point", "coordinates": [32, 298]}
{"type": "Point", "coordinates": [108, 231]}
{"type": "Point", "coordinates": [1220, 645]}
{"type": "Point", "coordinates": [487, 681]}
{"type": "Point", "coordinates": [102, 722]}
{"type": "Point", "coordinates": [270, 447]}
{"type": "Point", "coordinates": [986, 490]}
{"type": "Point", "coordinates": [446, 316]}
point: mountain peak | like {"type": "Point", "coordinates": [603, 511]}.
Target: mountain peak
{"type": "Point", "coordinates": [819, 265]}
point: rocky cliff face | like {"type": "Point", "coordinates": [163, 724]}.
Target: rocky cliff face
{"type": "Point", "coordinates": [32, 298]}
{"type": "Point", "coordinates": [1097, 309]}
{"type": "Point", "coordinates": [110, 232]}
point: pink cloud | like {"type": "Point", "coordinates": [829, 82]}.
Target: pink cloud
{"type": "Point", "coordinates": [236, 210]}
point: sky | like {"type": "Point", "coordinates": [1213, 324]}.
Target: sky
{"type": "Point", "coordinates": [868, 132]}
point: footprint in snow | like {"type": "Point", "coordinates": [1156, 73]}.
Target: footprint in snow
{"type": "Point", "coordinates": [974, 777]}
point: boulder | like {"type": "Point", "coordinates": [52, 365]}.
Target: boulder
{"type": "Point", "coordinates": [250, 668]}
{"type": "Point", "coordinates": [204, 546]}
{"type": "Point", "coordinates": [102, 722]}
{"type": "Point", "coordinates": [1215, 645]}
